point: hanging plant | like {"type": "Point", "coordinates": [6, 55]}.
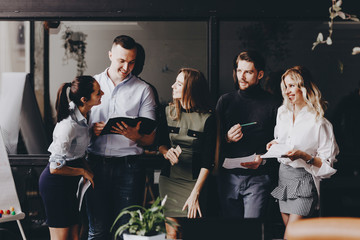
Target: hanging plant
{"type": "Point", "coordinates": [75, 48]}
{"type": "Point", "coordinates": [335, 11]}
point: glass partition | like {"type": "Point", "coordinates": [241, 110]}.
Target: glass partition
{"type": "Point", "coordinates": [288, 43]}
{"type": "Point", "coordinates": [168, 46]}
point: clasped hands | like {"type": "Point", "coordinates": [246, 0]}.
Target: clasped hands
{"type": "Point", "coordinates": [173, 155]}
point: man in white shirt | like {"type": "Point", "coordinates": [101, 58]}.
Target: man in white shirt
{"type": "Point", "coordinates": [119, 177]}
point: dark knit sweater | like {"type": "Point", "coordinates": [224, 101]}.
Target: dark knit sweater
{"type": "Point", "coordinates": [252, 105]}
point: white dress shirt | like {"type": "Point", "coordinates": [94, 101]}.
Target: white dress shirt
{"type": "Point", "coordinates": [70, 138]}
{"type": "Point", "coordinates": [308, 134]}
{"type": "Point", "coordinates": [130, 98]}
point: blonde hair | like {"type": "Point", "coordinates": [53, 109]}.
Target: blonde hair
{"type": "Point", "coordinates": [311, 93]}
{"type": "Point", "coordinates": [195, 95]}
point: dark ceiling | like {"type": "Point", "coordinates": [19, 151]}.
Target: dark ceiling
{"type": "Point", "coordinates": [171, 9]}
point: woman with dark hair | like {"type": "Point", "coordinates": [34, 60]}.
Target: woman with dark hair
{"type": "Point", "coordinates": [59, 180]}
{"type": "Point", "coordinates": [189, 146]}
{"type": "Point", "coordinates": [301, 126]}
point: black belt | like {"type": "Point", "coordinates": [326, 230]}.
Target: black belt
{"type": "Point", "coordinates": [110, 159]}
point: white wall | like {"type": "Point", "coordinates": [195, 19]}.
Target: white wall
{"type": "Point", "coordinates": [12, 53]}
{"type": "Point", "coordinates": [174, 44]}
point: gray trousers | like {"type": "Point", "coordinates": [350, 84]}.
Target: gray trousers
{"type": "Point", "coordinates": [243, 196]}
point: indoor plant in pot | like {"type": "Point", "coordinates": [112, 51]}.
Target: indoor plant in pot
{"type": "Point", "coordinates": [144, 223]}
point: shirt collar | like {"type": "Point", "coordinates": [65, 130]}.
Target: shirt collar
{"type": "Point", "coordinates": [77, 114]}
{"type": "Point", "coordinates": [122, 82]}
{"type": "Point", "coordinates": [252, 91]}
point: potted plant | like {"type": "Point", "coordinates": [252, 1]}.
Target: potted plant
{"type": "Point", "coordinates": [144, 223]}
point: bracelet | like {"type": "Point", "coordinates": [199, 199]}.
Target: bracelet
{"type": "Point", "coordinates": [311, 161]}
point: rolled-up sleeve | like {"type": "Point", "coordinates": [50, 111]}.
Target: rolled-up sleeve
{"type": "Point", "coordinates": [327, 151]}
{"type": "Point", "coordinates": [57, 161]}
{"type": "Point", "coordinates": [62, 138]}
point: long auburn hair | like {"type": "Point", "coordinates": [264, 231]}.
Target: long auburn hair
{"type": "Point", "coordinates": [311, 93]}
{"type": "Point", "coordinates": [195, 95]}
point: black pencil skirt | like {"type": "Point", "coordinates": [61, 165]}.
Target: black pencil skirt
{"type": "Point", "coordinates": [59, 197]}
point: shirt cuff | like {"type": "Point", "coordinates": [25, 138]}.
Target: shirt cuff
{"type": "Point", "coordinates": [325, 171]}
{"type": "Point", "coordinates": [57, 161]}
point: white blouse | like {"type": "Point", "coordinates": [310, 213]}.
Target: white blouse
{"type": "Point", "coordinates": [308, 134]}
{"type": "Point", "coordinates": [70, 138]}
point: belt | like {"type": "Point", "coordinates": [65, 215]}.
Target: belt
{"type": "Point", "coordinates": [111, 159]}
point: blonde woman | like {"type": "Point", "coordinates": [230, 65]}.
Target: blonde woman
{"type": "Point", "coordinates": [189, 146]}
{"type": "Point", "coordinates": [301, 124]}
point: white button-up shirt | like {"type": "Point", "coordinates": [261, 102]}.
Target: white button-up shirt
{"type": "Point", "coordinates": [308, 134]}
{"type": "Point", "coordinates": [130, 98]}
{"type": "Point", "coordinates": [70, 138]}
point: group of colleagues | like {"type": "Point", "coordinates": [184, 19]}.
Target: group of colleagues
{"type": "Point", "coordinates": [187, 138]}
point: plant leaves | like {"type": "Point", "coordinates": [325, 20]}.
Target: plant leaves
{"type": "Point", "coordinates": [144, 222]}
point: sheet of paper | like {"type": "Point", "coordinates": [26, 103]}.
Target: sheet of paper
{"type": "Point", "coordinates": [277, 151]}
{"type": "Point", "coordinates": [231, 163]}
{"type": "Point", "coordinates": [82, 187]}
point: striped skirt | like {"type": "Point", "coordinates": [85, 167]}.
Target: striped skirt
{"type": "Point", "coordinates": [296, 191]}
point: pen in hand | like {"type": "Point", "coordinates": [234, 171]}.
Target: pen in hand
{"type": "Point", "coordinates": [248, 124]}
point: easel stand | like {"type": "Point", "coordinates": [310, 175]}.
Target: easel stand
{"type": "Point", "coordinates": [7, 186]}
{"type": "Point", "coordinates": [21, 229]}
{"type": "Point", "coordinates": [16, 218]}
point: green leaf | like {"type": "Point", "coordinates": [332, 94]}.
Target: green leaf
{"type": "Point", "coordinates": [144, 222]}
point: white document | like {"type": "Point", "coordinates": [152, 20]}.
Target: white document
{"type": "Point", "coordinates": [82, 187]}
{"type": "Point", "coordinates": [231, 163]}
{"type": "Point", "coordinates": [277, 151]}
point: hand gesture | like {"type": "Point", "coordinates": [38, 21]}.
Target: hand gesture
{"type": "Point", "coordinates": [87, 175]}
{"type": "Point", "coordinates": [296, 154]}
{"type": "Point", "coordinates": [268, 146]}
{"type": "Point", "coordinates": [127, 131]}
{"type": "Point", "coordinates": [98, 127]}
{"type": "Point", "coordinates": [173, 155]}
{"type": "Point", "coordinates": [234, 134]}
{"type": "Point", "coordinates": [253, 165]}
{"type": "Point", "coordinates": [192, 205]}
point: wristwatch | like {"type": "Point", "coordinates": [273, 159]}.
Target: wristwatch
{"type": "Point", "coordinates": [311, 161]}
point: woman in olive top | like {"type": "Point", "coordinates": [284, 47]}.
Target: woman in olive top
{"type": "Point", "coordinates": [189, 146]}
